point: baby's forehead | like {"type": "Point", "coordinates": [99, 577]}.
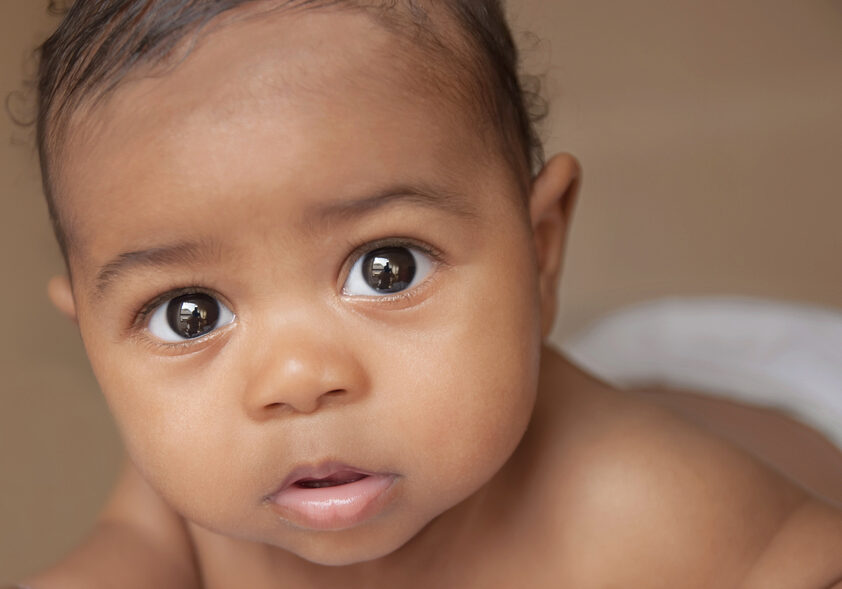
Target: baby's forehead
{"type": "Point", "coordinates": [290, 57]}
{"type": "Point", "coordinates": [252, 111]}
{"type": "Point", "coordinates": [327, 64]}
{"type": "Point", "coordinates": [253, 64]}
{"type": "Point", "coordinates": [318, 49]}
{"type": "Point", "coordinates": [112, 58]}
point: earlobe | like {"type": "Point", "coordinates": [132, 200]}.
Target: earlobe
{"type": "Point", "coordinates": [61, 295]}
{"type": "Point", "coordinates": [551, 205]}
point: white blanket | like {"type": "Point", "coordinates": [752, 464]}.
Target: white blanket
{"type": "Point", "coordinates": [781, 355]}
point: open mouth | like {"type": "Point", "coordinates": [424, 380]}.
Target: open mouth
{"type": "Point", "coordinates": [331, 496]}
{"type": "Point", "coordinates": [334, 480]}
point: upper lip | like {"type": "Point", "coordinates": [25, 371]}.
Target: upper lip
{"type": "Point", "coordinates": [317, 471]}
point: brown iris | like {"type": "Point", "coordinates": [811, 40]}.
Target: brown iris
{"type": "Point", "coordinates": [192, 315]}
{"type": "Point", "coordinates": [389, 269]}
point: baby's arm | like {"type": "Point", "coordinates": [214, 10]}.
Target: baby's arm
{"type": "Point", "coordinates": [137, 542]}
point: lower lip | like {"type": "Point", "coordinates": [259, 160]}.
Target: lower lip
{"type": "Point", "coordinates": [333, 508]}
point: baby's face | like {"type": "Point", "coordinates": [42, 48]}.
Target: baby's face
{"type": "Point", "coordinates": [293, 269]}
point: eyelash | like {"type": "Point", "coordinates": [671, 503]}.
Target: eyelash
{"type": "Point", "coordinates": [408, 242]}
{"type": "Point", "coordinates": [141, 317]}
{"type": "Point", "coordinates": [367, 246]}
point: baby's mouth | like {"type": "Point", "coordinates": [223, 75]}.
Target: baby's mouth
{"type": "Point", "coordinates": [331, 496]}
{"type": "Point", "coordinates": [334, 480]}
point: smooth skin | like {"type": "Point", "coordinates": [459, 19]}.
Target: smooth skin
{"type": "Point", "coordinates": [258, 171]}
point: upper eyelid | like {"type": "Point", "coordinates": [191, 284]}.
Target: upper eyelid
{"type": "Point", "coordinates": [149, 307]}
{"type": "Point", "coordinates": [406, 242]}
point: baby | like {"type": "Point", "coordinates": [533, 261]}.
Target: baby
{"type": "Point", "coordinates": [313, 250]}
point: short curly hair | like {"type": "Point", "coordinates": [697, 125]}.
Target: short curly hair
{"type": "Point", "coordinates": [99, 41]}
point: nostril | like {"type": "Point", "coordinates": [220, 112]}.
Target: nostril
{"type": "Point", "coordinates": [304, 403]}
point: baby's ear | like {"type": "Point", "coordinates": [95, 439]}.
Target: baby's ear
{"type": "Point", "coordinates": [61, 295]}
{"type": "Point", "coordinates": [551, 204]}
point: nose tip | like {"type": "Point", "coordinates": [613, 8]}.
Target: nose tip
{"type": "Point", "coordinates": [304, 380]}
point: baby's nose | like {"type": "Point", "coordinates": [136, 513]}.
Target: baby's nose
{"type": "Point", "coordinates": [302, 375]}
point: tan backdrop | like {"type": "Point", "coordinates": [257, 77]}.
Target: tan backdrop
{"type": "Point", "coordinates": [711, 137]}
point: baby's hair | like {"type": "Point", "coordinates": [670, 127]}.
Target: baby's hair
{"type": "Point", "coordinates": [100, 41]}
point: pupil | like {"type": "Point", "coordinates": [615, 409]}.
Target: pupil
{"type": "Point", "coordinates": [389, 269]}
{"type": "Point", "coordinates": [192, 315]}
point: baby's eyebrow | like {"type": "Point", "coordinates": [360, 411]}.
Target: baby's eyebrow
{"type": "Point", "coordinates": [187, 253]}
{"type": "Point", "coordinates": [169, 255]}
{"type": "Point", "coordinates": [444, 200]}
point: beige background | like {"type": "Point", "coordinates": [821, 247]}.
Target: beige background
{"type": "Point", "coordinates": [711, 137]}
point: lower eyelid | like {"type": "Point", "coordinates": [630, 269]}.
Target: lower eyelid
{"type": "Point", "coordinates": [402, 298]}
{"type": "Point", "coordinates": [183, 347]}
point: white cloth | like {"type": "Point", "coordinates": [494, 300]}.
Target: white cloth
{"type": "Point", "coordinates": [781, 355]}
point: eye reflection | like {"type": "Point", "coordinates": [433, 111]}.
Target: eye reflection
{"type": "Point", "coordinates": [192, 315]}
{"type": "Point", "coordinates": [389, 269]}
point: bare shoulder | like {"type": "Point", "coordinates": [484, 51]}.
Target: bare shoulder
{"type": "Point", "coordinates": [649, 499]}
{"type": "Point", "coordinates": [805, 551]}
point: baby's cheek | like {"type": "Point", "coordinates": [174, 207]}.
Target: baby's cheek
{"type": "Point", "coordinates": [169, 418]}
{"type": "Point", "coordinates": [470, 412]}
{"type": "Point", "coordinates": [203, 473]}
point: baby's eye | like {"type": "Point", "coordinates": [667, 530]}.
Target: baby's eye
{"type": "Point", "coordinates": [387, 270]}
{"type": "Point", "coordinates": [188, 316]}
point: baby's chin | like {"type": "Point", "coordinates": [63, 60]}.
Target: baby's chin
{"type": "Point", "coordinates": [347, 552]}
{"type": "Point", "coordinates": [353, 547]}
{"type": "Point", "coordinates": [371, 541]}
